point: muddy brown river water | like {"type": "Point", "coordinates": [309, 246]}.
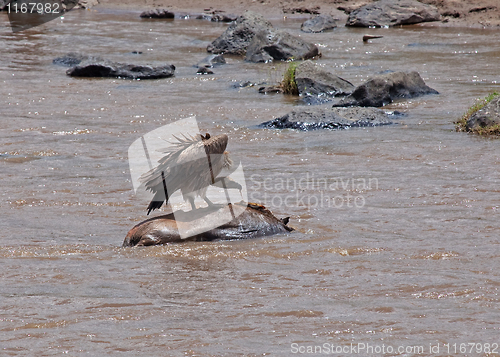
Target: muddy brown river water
{"type": "Point", "coordinates": [397, 241]}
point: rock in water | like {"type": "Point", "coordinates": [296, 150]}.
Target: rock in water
{"type": "Point", "coordinates": [239, 34]}
{"type": "Point", "coordinates": [255, 221]}
{"type": "Point", "coordinates": [318, 85]}
{"type": "Point", "coordinates": [319, 23]}
{"type": "Point", "coordinates": [220, 17]}
{"type": "Point", "coordinates": [278, 45]}
{"type": "Point", "coordinates": [486, 117]}
{"type": "Point", "coordinates": [386, 13]}
{"type": "Point", "coordinates": [120, 70]}
{"type": "Point", "coordinates": [204, 70]}
{"type": "Point", "coordinates": [383, 89]}
{"type": "Point", "coordinates": [326, 117]}
{"type": "Point", "coordinates": [255, 37]}
{"type": "Point", "coordinates": [158, 14]}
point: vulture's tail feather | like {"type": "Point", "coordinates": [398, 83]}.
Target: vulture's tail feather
{"type": "Point", "coordinates": [156, 202]}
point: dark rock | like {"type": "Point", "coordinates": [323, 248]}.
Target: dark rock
{"type": "Point", "coordinates": [220, 17]}
{"type": "Point", "coordinates": [326, 117]}
{"type": "Point", "coordinates": [315, 100]}
{"type": "Point", "coordinates": [301, 10]}
{"type": "Point", "coordinates": [73, 59]}
{"type": "Point", "coordinates": [385, 13]}
{"type": "Point", "coordinates": [204, 70]}
{"type": "Point", "coordinates": [319, 23]}
{"type": "Point", "coordinates": [215, 16]}
{"type": "Point", "coordinates": [120, 70]}
{"type": "Point", "coordinates": [486, 117]}
{"type": "Point", "coordinates": [158, 14]}
{"type": "Point", "coordinates": [271, 89]}
{"type": "Point", "coordinates": [255, 221]}
{"type": "Point", "coordinates": [270, 45]}
{"type": "Point", "coordinates": [238, 35]}
{"type": "Point", "coordinates": [254, 36]}
{"type": "Point", "coordinates": [316, 85]}
{"type": "Point", "coordinates": [383, 89]}
{"type": "Point", "coordinates": [450, 13]}
{"type": "Point", "coordinates": [211, 61]}
{"type": "Point", "coordinates": [137, 52]}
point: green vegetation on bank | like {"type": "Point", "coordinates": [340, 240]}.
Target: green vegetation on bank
{"type": "Point", "coordinates": [461, 124]}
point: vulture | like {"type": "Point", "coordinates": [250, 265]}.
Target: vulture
{"type": "Point", "coordinates": [191, 164]}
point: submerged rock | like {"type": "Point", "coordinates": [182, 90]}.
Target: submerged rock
{"type": "Point", "coordinates": [319, 23]}
{"type": "Point", "coordinates": [487, 119]}
{"type": "Point", "coordinates": [158, 14]}
{"type": "Point", "coordinates": [385, 13]}
{"type": "Point", "coordinates": [383, 89]}
{"type": "Point", "coordinates": [278, 45]}
{"type": "Point", "coordinates": [255, 221]}
{"type": "Point", "coordinates": [326, 117]}
{"type": "Point", "coordinates": [238, 35]}
{"type": "Point", "coordinates": [317, 85]}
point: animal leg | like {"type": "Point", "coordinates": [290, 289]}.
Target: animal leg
{"type": "Point", "coordinates": [191, 201]}
{"type": "Point", "coordinates": [209, 203]}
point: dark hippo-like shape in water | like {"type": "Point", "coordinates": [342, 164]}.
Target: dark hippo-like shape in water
{"type": "Point", "coordinates": [255, 221]}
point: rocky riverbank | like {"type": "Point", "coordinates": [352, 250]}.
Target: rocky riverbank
{"type": "Point", "coordinates": [468, 13]}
